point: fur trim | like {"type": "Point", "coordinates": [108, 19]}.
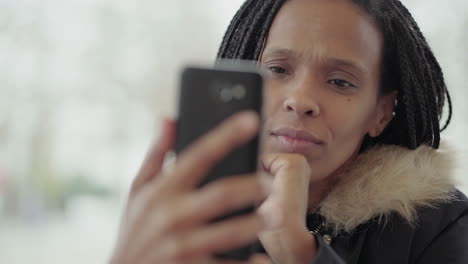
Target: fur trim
{"type": "Point", "coordinates": [389, 179]}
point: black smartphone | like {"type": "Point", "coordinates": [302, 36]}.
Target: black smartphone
{"type": "Point", "coordinates": [208, 96]}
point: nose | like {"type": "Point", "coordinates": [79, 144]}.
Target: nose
{"type": "Point", "coordinates": [302, 102]}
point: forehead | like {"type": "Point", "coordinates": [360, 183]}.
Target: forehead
{"type": "Point", "coordinates": [328, 28]}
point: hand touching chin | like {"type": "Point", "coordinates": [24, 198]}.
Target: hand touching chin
{"type": "Point", "coordinates": [285, 235]}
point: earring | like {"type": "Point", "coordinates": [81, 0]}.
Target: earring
{"type": "Point", "coordinates": [396, 105]}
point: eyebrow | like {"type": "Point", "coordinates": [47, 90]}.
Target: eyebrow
{"type": "Point", "coordinates": [348, 63]}
{"type": "Point", "coordinates": [282, 52]}
{"type": "Point", "coordinates": [329, 60]}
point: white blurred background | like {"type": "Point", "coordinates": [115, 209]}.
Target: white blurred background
{"type": "Point", "coordinates": [83, 84]}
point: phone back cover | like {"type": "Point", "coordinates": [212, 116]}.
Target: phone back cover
{"type": "Point", "coordinates": [200, 110]}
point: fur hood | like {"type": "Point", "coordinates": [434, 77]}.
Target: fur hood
{"type": "Point", "coordinates": [386, 180]}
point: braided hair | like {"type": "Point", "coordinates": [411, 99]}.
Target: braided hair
{"type": "Point", "coordinates": [409, 67]}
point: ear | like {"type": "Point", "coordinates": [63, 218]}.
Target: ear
{"type": "Point", "coordinates": [384, 114]}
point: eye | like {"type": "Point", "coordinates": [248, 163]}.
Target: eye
{"type": "Point", "coordinates": [277, 70]}
{"type": "Point", "coordinates": [341, 83]}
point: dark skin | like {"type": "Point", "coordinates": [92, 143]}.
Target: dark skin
{"type": "Point", "coordinates": [322, 59]}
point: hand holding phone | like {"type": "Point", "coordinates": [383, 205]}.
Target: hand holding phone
{"type": "Point", "coordinates": [167, 213]}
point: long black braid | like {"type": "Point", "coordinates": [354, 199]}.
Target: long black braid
{"type": "Point", "coordinates": [248, 30]}
{"type": "Point", "coordinates": [409, 67]}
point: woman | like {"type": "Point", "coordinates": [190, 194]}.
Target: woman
{"type": "Point", "coordinates": [353, 100]}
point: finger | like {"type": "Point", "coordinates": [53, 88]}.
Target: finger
{"type": "Point", "coordinates": [257, 259]}
{"type": "Point", "coordinates": [288, 200]}
{"type": "Point", "coordinates": [155, 158]}
{"type": "Point", "coordinates": [260, 259]}
{"type": "Point", "coordinates": [291, 172]}
{"type": "Point", "coordinates": [214, 200]}
{"type": "Point", "coordinates": [195, 209]}
{"type": "Point", "coordinates": [291, 164]}
{"type": "Point", "coordinates": [232, 193]}
{"type": "Point", "coordinates": [214, 261]}
{"type": "Point", "coordinates": [201, 156]}
{"type": "Point", "coordinates": [208, 240]}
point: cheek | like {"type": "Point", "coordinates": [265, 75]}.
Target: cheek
{"type": "Point", "coordinates": [349, 120]}
{"type": "Point", "coordinates": [272, 103]}
{"type": "Point", "coordinates": [273, 95]}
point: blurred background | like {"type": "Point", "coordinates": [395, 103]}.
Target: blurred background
{"type": "Point", "coordinates": [83, 84]}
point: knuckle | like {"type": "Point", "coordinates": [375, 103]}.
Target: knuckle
{"type": "Point", "coordinates": [165, 219]}
{"type": "Point", "coordinates": [148, 200]}
{"type": "Point", "coordinates": [175, 248]}
{"type": "Point", "coordinates": [286, 161]}
{"type": "Point", "coordinates": [295, 161]}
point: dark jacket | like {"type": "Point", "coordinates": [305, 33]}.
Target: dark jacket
{"type": "Point", "coordinates": [393, 205]}
{"type": "Point", "coordinates": [439, 236]}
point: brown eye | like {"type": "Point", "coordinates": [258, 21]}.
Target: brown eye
{"type": "Point", "coordinates": [277, 70]}
{"type": "Point", "coordinates": [341, 83]}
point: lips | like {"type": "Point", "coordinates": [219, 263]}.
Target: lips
{"type": "Point", "coordinates": [296, 141]}
{"type": "Point", "coordinates": [295, 134]}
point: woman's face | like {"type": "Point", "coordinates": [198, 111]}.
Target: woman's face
{"type": "Point", "coordinates": [322, 60]}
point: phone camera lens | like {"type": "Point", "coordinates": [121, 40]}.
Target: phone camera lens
{"type": "Point", "coordinates": [238, 91]}
{"type": "Point", "coordinates": [226, 95]}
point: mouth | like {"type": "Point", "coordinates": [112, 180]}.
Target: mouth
{"type": "Point", "coordinates": [296, 141]}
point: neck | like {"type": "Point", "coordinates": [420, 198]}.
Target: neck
{"type": "Point", "coordinates": [319, 190]}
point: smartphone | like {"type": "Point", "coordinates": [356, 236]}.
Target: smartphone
{"type": "Point", "coordinates": [208, 96]}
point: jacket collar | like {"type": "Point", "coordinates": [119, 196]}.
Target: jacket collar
{"type": "Point", "coordinates": [389, 179]}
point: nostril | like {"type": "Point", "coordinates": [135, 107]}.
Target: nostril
{"type": "Point", "coordinates": [310, 112]}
